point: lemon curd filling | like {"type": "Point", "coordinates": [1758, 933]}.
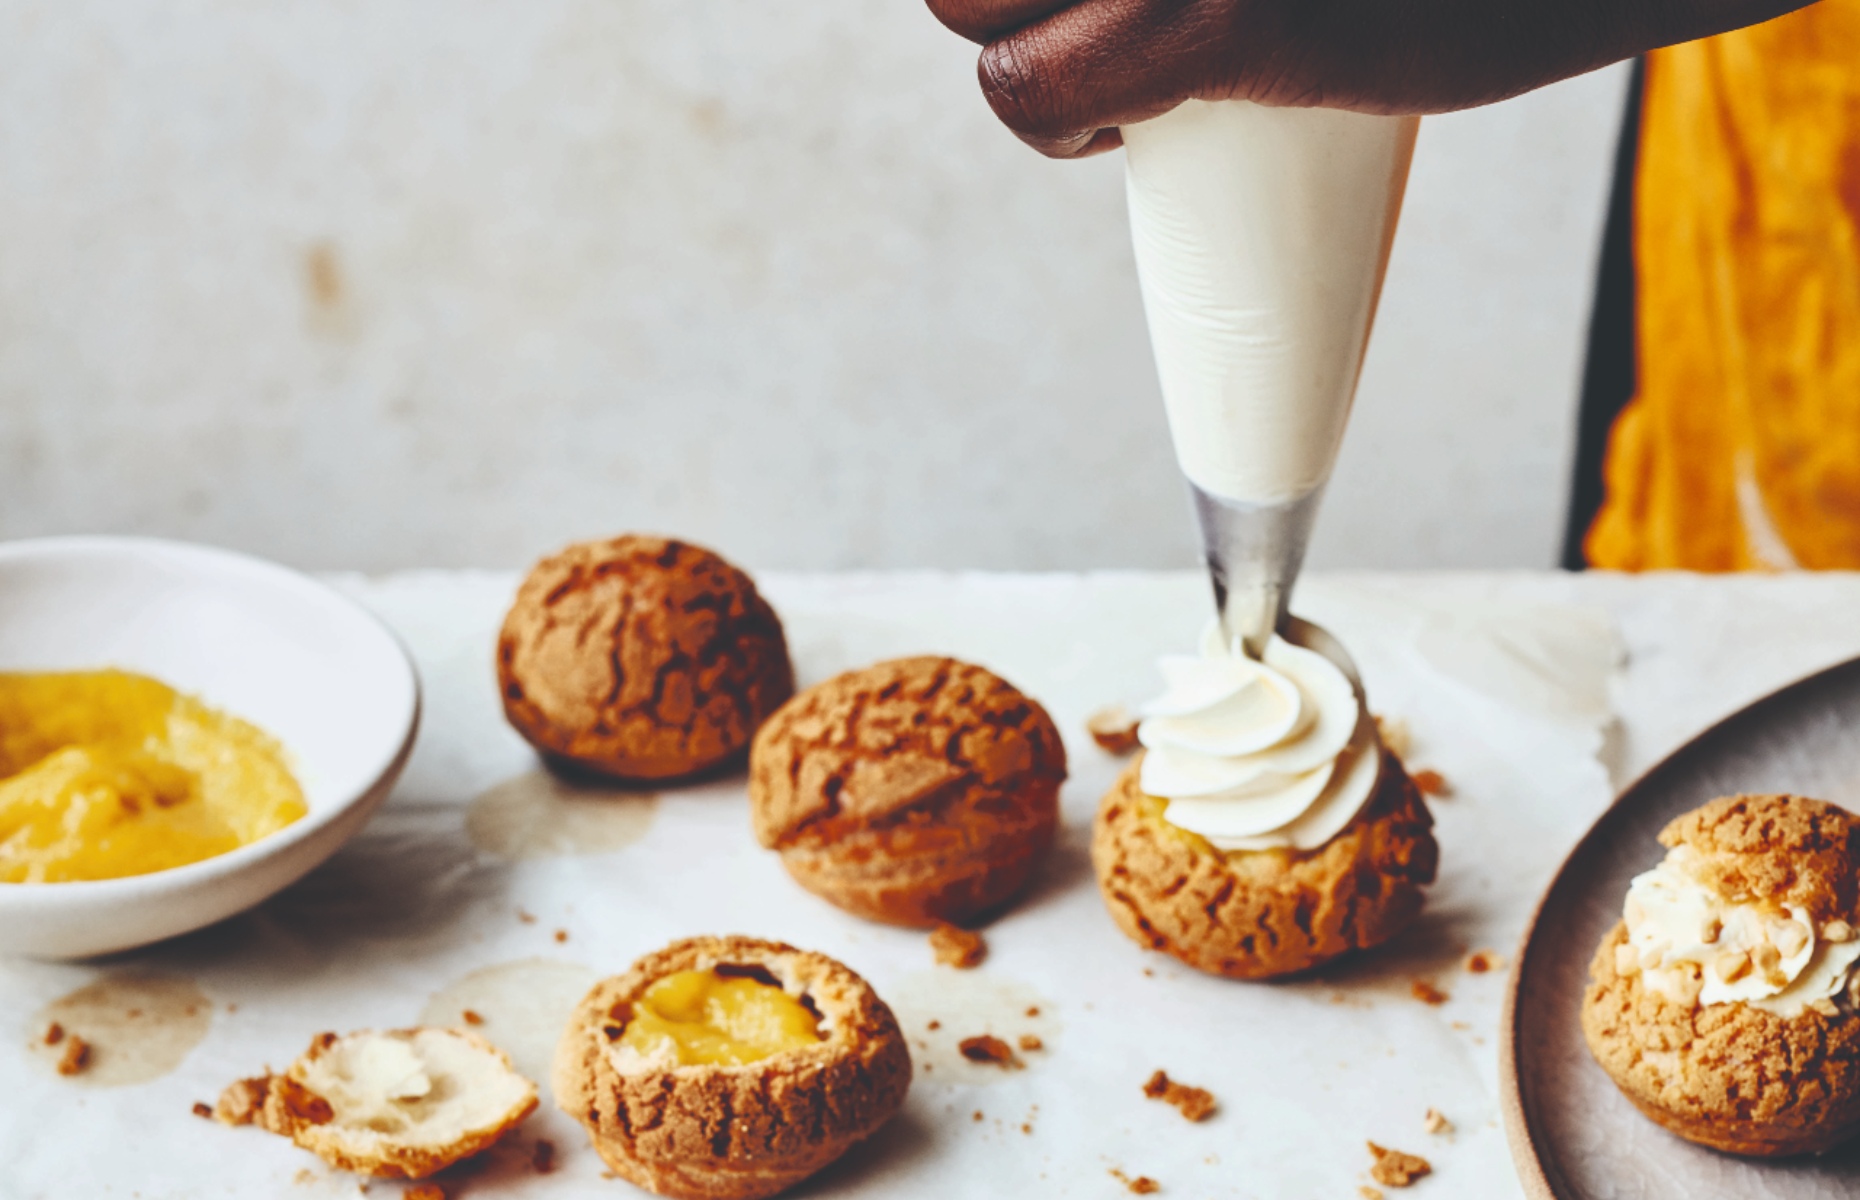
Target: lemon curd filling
{"type": "Point", "coordinates": [106, 774]}
{"type": "Point", "coordinates": [722, 1019]}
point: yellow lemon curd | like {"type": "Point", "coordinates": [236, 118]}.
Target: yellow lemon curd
{"type": "Point", "coordinates": [105, 774]}
{"type": "Point", "coordinates": [730, 1020]}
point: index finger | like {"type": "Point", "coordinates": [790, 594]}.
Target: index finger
{"type": "Point", "coordinates": [985, 20]}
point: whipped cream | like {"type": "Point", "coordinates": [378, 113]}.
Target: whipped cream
{"type": "Point", "coordinates": [1261, 238]}
{"type": "Point", "coordinates": [1259, 755]}
{"type": "Point", "coordinates": [1695, 946]}
{"type": "Point", "coordinates": [389, 1068]}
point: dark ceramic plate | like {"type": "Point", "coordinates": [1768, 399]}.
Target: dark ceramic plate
{"type": "Point", "coordinates": [1574, 1136]}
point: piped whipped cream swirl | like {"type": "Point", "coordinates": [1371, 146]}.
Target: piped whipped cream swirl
{"type": "Point", "coordinates": [1695, 946]}
{"type": "Point", "coordinates": [1259, 755]}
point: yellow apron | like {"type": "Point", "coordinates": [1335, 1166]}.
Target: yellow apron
{"type": "Point", "coordinates": [1741, 448]}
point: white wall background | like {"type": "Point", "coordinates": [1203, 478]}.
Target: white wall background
{"type": "Point", "coordinates": [371, 283]}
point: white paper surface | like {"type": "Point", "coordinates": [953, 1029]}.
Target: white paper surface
{"type": "Point", "coordinates": [1502, 680]}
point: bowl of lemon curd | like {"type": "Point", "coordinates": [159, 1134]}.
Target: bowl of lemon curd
{"type": "Point", "coordinates": [184, 731]}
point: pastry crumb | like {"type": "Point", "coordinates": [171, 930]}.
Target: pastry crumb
{"type": "Point", "coordinates": [528, 918]}
{"type": "Point", "coordinates": [1197, 1104]}
{"type": "Point", "coordinates": [1392, 1168]}
{"type": "Point", "coordinates": [1427, 993]}
{"type": "Point", "coordinates": [957, 947]}
{"type": "Point", "coordinates": [987, 1048]}
{"type": "Point", "coordinates": [542, 1157]}
{"type": "Point", "coordinates": [1029, 1041]}
{"type": "Point", "coordinates": [1114, 728]}
{"type": "Point", "coordinates": [934, 1026]}
{"type": "Point", "coordinates": [1033, 1010]}
{"type": "Point", "coordinates": [1369, 1193]}
{"type": "Point", "coordinates": [424, 1191]}
{"type": "Point", "coordinates": [76, 1057]}
{"type": "Point", "coordinates": [472, 1018]}
{"type": "Point", "coordinates": [1432, 783]}
{"type": "Point", "coordinates": [240, 1103]}
{"type": "Point", "coordinates": [203, 1110]}
{"type": "Point", "coordinates": [1142, 1185]}
{"type": "Point", "coordinates": [977, 1115]}
{"type": "Point", "coordinates": [1481, 961]}
{"type": "Point", "coordinates": [1436, 1122]}
{"type": "Point", "coordinates": [561, 935]}
{"type": "Point", "coordinates": [54, 1034]}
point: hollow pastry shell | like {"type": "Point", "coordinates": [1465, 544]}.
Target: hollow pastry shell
{"type": "Point", "coordinates": [708, 1132]}
{"type": "Point", "coordinates": [1254, 914]}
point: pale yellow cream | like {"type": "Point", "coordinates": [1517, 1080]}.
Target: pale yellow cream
{"type": "Point", "coordinates": [1695, 946]}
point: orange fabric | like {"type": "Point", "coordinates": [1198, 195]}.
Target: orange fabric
{"type": "Point", "coordinates": [1741, 449]}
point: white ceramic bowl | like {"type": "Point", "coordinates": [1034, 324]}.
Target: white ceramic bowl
{"type": "Point", "coordinates": [257, 640]}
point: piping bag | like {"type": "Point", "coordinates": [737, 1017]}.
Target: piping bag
{"type": "Point", "coordinates": [1262, 235]}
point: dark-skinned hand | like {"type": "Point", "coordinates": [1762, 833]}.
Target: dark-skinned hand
{"type": "Point", "coordinates": [1064, 74]}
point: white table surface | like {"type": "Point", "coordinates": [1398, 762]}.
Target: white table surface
{"type": "Point", "coordinates": [1536, 695]}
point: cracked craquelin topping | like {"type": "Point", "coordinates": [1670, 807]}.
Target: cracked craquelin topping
{"type": "Point", "coordinates": [913, 791]}
{"type": "Point", "coordinates": [641, 658]}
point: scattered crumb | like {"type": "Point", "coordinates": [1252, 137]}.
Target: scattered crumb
{"type": "Point", "coordinates": [1395, 734]}
{"type": "Point", "coordinates": [77, 1056]}
{"type": "Point", "coordinates": [1369, 1193]}
{"type": "Point", "coordinates": [977, 1116]}
{"type": "Point", "coordinates": [472, 1018]}
{"type": "Point", "coordinates": [203, 1110]}
{"type": "Point", "coordinates": [934, 1025]}
{"type": "Point", "coordinates": [1033, 1011]}
{"type": "Point", "coordinates": [1427, 993]}
{"type": "Point", "coordinates": [1113, 728]}
{"type": "Point", "coordinates": [1142, 1185]}
{"type": "Point", "coordinates": [1462, 1026]}
{"type": "Point", "coordinates": [240, 1102]}
{"type": "Point", "coordinates": [1027, 1128]}
{"type": "Point", "coordinates": [957, 947]}
{"type": "Point", "coordinates": [304, 1177]}
{"type": "Point", "coordinates": [561, 935]}
{"type": "Point", "coordinates": [1030, 1042]}
{"type": "Point", "coordinates": [1197, 1104]}
{"type": "Point", "coordinates": [542, 1157]}
{"type": "Point", "coordinates": [232, 1008]}
{"type": "Point", "coordinates": [424, 1191]}
{"type": "Point", "coordinates": [987, 1048]}
{"type": "Point", "coordinates": [1392, 1168]}
{"type": "Point", "coordinates": [1481, 961]}
{"type": "Point", "coordinates": [54, 1034]}
{"type": "Point", "coordinates": [526, 917]}
{"type": "Point", "coordinates": [302, 1103]}
{"type": "Point", "coordinates": [1433, 783]}
{"type": "Point", "coordinates": [1436, 1122]}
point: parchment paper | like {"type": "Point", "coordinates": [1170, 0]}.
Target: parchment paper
{"type": "Point", "coordinates": [485, 885]}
